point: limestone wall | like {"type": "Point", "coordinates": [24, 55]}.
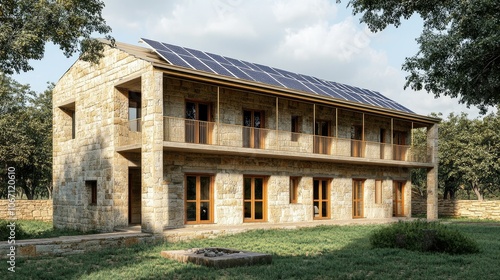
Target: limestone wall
{"type": "Point", "coordinates": [40, 210]}
{"type": "Point", "coordinates": [488, 209]}
{"type": "Point", "coordinates": [228, 173]}
{"type": "Point", "coordinates": [100, 118]}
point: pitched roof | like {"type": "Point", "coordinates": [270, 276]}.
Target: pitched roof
{"type": "Point", "coordinates": [253, 72]}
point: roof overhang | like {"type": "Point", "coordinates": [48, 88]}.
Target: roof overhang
{"type": "Point", "coordinates": [219, 80]}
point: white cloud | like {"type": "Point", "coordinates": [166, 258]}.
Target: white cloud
{"type": "Point", "coordinates": [299, 12]}
{"type": "Point", "coordinates": [306, 37]}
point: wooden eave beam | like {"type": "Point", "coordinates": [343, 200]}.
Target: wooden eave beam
{"type": "Point", "coordinates": [182, 72]}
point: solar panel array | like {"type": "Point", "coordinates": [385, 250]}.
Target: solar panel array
{"type": "Point", "coordinates": [230, 67]}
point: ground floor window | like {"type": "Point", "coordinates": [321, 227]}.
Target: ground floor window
{"type": "Point", "coordinates": [321, 198]}
{"type": "Point", "coordinates": [254, 199]}
{"type": "Point", "coordinates": [294, 189]}
{"type": "Point", "coordinates": [199, 199]}
{"type": "Point", "coordinates": [357, 198]}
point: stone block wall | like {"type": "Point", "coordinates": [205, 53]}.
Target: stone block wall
{"type": "Point", "coordinates": [228, 173]}
{"type": "Point", "coordinates": [487, 209]}
{"type": "Point", "coordinates": [40, 210]}
{"type": "Point", "coordinates": [100, 121]}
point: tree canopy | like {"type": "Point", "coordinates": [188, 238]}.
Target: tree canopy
{"type": "Point", "coordinates": [26, 25]}
{"type": "Point", "coordinates": [469, 157]}
{"type": "Point", "coordinates": [26, 138]}
{"type": "Point", "coordinates": [459, 53]}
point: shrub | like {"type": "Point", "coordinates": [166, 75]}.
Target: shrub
{"type": "Point", "coordinates": [5, 230]}
{"type": "Point", "coordinates": [420, 235]}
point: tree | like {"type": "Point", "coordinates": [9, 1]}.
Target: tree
{"type": "Point", "coordinates": [469, 155]}
{"type": "Point", "coordinates": [459, 52]}
{"type": "Point", "coordinates": [26, 137]}
{"type": "Point", "coordinates": [26, 25]}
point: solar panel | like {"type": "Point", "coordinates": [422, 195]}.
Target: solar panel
{"type": "Point", "coordinates": [262, 77]}
{"type": "Point", "coordinates": [173, 58]}
{"type": "Point", "coordinates": [234, 68]}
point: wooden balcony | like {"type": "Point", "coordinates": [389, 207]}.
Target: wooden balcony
{"type": "Point", "coordinates": [211, 137]}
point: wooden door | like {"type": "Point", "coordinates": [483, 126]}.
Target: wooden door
{"type": "Point", "coordinates": [357, 198]}
{"type": "Point", "coordinates": [253, 122]}
{"type": "Point", "coordinates": [197, 125]}
{"type": "Point", "coordinates": [321, 199]}
{"type": "Point", "coordinates": [398, 199]}
{"type": "Point", "coordinates": [322, 140]}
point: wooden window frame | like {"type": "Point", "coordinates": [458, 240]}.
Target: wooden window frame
{"type": "Point", "coordinates": [357, 198]}
{"type": "Point", "coordinates": [252, 129]}
{"type": "Point", "coordinates": [321, 199]}
{"type": "Point", "coordinates": [294, 189]}
{"type": "Point", "coordinates": [252, 200]}
{"type": "Point", "coordinates": [395, 200]}
{"type": "Point", "coordinates": [197, 122]}
{"type": "Point", "coordinates": [322, 143]}
{"type": "Point", "coordinates": [198, 200]}
{"type": "Point", "coordinates": [357, 147]}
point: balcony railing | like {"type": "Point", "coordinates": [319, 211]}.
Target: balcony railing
{"type": "Point", "coordinates": [135, 125]}
{"type": "Point", "coordinates": [229, 135]}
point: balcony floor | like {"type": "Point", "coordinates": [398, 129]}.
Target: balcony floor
{"type": "Point", "coordinates": [250, 152]}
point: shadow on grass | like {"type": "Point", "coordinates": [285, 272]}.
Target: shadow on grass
{"type": "Point", "coordinates": [315, 253]}
{"type": "Point", "coordinates": [31, 229]}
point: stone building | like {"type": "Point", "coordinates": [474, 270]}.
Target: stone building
{"type": "Point", "coordinates": [167, 137]}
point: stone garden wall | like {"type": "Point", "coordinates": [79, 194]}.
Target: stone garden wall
{"type": "Point", "coordinates": [40, 210]}
{"type": "Point", "coordinates": [487, 209]}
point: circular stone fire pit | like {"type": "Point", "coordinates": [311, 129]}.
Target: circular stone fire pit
{"type": "Point", "coordinates": [218, 257]}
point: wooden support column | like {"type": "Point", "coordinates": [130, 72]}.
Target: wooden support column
{"type": "Point", "coordinates": [218, 116]}
{"type": "Point", "coordinates": [363, 129]}
{"type": "Point", "coordinates": [277, 124]}
{"type": "Point", "coordinates": [336, 122]}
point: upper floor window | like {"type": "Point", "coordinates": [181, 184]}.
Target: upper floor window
{"type": "Point", "coordinates": [253, 134]}
{"type": "Point", "coordinates": [197, 126]}
{"type": "Point", "coordinates": [68, 120]}
{"type": "Point", "coordinates": [134, 110]}
{"type": "Point", "coordinates": [295, 128]}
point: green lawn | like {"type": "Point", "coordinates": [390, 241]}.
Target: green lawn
{"type": "Point", "coordinates": [324, 252]}
{"type": "Point", "coordinates": [29, 229]}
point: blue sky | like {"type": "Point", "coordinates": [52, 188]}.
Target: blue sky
{"type": "Point", "coordinates": [314, 37]}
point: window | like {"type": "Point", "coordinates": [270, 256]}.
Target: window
{"type": "Point", "coordinates": [253, 134]}
{"type": "Point", "coordinates": [254, 199]}
{"type": "Point", "coordinates": [199, 199]}
{"type": "Point", "coordinates": [321, 198]}
{"type": "Point", "coordinates": [134, 110]}
{"type": "Point", "coordinates": [356, 141]}
{"type": "Point", "coordinates": [382, 143]}
{"type": "Point", "coordinates": [197, 126]}
{"type": "Point", "coordinates": [295, 128]}
{"type": "Point", "coordinates": [378, 191]}
{"type": "Point", "coordinates": [322, 141]}
{"type": "Point", "coordinates": [399, 148]}
{"type": "Point", "coordinates": [357, 198]}
{"type": "Point", "coordinates": [73, 124]}
{"type": "Point", "coordinates": [92, 191]}
{"type": "Point", "coordinates": [68, 120]}
{"type": "Point", "coordinates": [294, 189]}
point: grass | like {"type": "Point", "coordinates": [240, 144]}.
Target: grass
{"type": "Point", "coordinates": [30, 229]}
{"type": "Point", "coordinates": [324, 252]}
